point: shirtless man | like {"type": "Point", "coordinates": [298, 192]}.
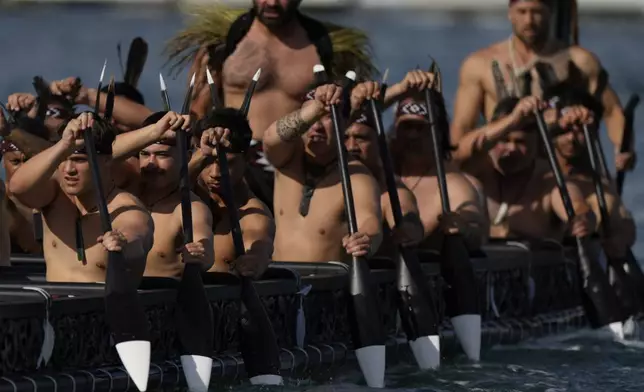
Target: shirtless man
{"type": "Point", "coordinates": [58, 182]}
{"type": "Point", "coordinates": [522, 197]}
{"type": "Point", "coordinates": [255, 219]}
{"type": "Point", "coordinates": [413, 158]}
{"type": "Point", "coordinates": [529, 44]}
{"type": "Point", "coordinates": [571, 151]}
{"type": "Point", "coordinates": [160, 175]}
{"type": "Point", "coordinates": [309, 204]}
{"type": "Point", "coordinates": [362, 143]}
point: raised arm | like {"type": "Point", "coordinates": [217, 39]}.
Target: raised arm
{"type": "Point", "coordinates": [126, 111]}
{"type": "Point", "coordinates": [415, 81]}
{"type": "Point", "coordinates": [130, 143]}
{"type": "Point", "coordinates": [366, 198]}
{"type": "Point", "coordinates": [613, 112]}
{"type": "Point", "coordinates": [33, 184]}
{"type": "Point", "coordinates": [284, 137]}
{"type": "Point", "coordinates": [258, 231]}
{"type": "Point", "coordinates": [469, 98]}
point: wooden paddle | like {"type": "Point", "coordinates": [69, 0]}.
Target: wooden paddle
{"type": "Point", "coordinates": [624, 284]}
{"type": "Point", "coordinates": [600, 302]}
{"type": "Point", "coordinates": [416, 301]}
{"type": "Point", "coordinates": [461, 299]}
{"type": "Point", "coordinates": [364, 313]}
{"type": "Point", "coordinates": [195, 325]}
{"type": "Point", "coordinates": [123, 310]}
{"type": "Point", "coordinates": [258, 343]}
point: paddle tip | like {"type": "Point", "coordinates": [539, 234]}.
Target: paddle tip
{"type": "Point", "coordinates": [257, 74]}
{"type": "Point", "coordinates": [209, 76]}
{"type": "Point", "coordinates": [372, 361]}
{"type": "Point", "coordinates": [427, 352]}
{"type": "Point", "coordinates": [385, 76]}
{"type": "Point", "coordinates": [351, 75]}
{"type": "Point", "coordinates": [467, 328]}
{"type": "Point", "coordinates": [135, 356]}
{"type": "Point", "coordinates": [192, 81]}
{"type": "Point", "coordinates": [197, 370]}
{"type": "Point", "coordinates": [162, 82]}
{"type": "Point", "coordinates": [267, 379]}
{"type": "Point", "coordinates": [103, 71]}
{"type": "Point", "coordinates": [317, 68]}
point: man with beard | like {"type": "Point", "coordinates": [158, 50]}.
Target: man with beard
{"type": "Point", "coordinates": [128, 114]}
{"type": "Point", "coordinates": [362, 142]}
{"type": "Point", "coordinates": [160, 163]}
{"type": "Point", "coordinates": [58, 182]}
{"type": "Point", "coordinates": [309, 203]}
{"type": "Point", "coordinates": [285, 44]}
{"type": "Point", "coordinates": [571, 151]}
{"type": "Point", "coordinates": [522, 198]}
{"type": "Point", "coordinates": [526, 59]}
{"type": "Point", "coordinates": [414, 161]}
{"type": "Point", "coordinates": [255, 219]}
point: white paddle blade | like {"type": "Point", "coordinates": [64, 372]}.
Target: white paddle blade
{"type": "Point", "coordinates": [427, 351]}
{"type": "Point", "coordinates": [135, 356]}
{"type": "Point", "coordinates": [197, 370]}
{"type": "Point", "coordinates": [372, 363]}
{"type": "Point", "coordinates": [468, 330]}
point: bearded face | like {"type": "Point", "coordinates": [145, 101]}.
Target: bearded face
{"type": "Point", "coordinates": [275, 13]}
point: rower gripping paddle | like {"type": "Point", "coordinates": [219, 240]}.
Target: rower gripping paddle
{"type": "Point", "coordinates": [600, 302]}
{"type": "Point", "coordinates": [123, 310]}
{"type": "Point", "coordinates": [623, 283]}
{"type": "Point", "coordinates": [416, 304]}
{"type": "Point", "coordinates": [364, 316]}
{"type": "Point", "coordinates": [258, 343]}
{"type": "Point", "coordinates": [195, 325]}
{"type": "Point", "coordinates": [461, 300]}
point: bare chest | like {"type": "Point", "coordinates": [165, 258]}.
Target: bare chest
{"type": "Point", "coordinates": [168, 239]}
{"type": "Point", "coordinates": [287, 67]}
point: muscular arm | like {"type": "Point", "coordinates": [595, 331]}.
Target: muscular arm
{"type": "Point", "coordinates": [469, 98]}
{"type": "Point", "coordinates": [130, 143]}
{"type": "Point", "coordinates": [258, 230]}
{"type": "Point", "coordinates": [474, 145]}
{"type": "Point", "coordinates": [283, 137]}
{"type": "Point", "coordinates": [136, 224]}
{"type": "Point", "coordinates": [579, 204]}
{"type": "Point", "coordinates": [33, 184]}
{"type": "Point", "coordinates": [366, 198]}
{"type": "Point", "coordinates": [409, 210]}
{"type": "Point", "coordinates": [613, 112]}
{"type": "Point", "coordinates": [465, 201]}
{"type": "Point", "coordinates": [202, 229]}
{"type": "Point", "coordinates": [126, 112]}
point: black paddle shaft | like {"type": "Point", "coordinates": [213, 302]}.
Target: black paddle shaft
{"type": "Point", "coordinates": [629, 114]}
{"type": "Point", "coordinates": [438, 154]}
{"type": "Point", "coordinates": [184, 182]}
{"type": "Point", "coordinates": [597, 181]}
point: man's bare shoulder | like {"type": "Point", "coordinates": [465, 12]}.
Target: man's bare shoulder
{"type": "Point", "coordinates": [125, 202]}
{"type": "Point", "coordinates": [357, 168]}
{"type": "Point", "coordinates": [482, 57]}
{"type": "Point", "coordinates": [254, 206]}
{"type": "Point", "coordinates": [584, 58]}
{"type": "Point", "coordinates": [459, 182]}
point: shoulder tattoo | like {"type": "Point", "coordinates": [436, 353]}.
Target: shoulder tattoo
{"type": "Point", "coordinates": [291, 126]}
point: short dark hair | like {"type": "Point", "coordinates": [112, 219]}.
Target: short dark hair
{"type": "Point", "coordinates": [103, 133]}
{"type": "Point", "coordinates": [233, 119]}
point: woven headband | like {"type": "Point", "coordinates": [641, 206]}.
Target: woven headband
{"type": "Point", "coordinates": [411, 107]}
{"type": "Point", "coordinates": [7, 146]}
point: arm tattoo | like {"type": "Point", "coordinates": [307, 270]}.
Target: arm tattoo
{"type": "Point", "coordinates": [291, 126]}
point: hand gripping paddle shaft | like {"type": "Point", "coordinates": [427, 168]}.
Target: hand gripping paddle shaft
{"type": "Point", "coordinates": [600, 302]}
{"type": "Point", "coordinates": [364, 316]}
{"type": "Point", "coordinates": [416, 303]}
{"type": "Point", "coordinates": [195, 325]}
{"type": "Point", "coordinates": [123, 310]}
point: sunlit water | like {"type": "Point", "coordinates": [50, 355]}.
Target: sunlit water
{"type": "Point", "coordinates": [62, 41]}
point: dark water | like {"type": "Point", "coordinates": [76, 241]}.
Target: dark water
{"type": "Point", "coordinates": [62, 41]}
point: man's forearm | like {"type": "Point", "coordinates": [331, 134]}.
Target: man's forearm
{"type": "Point", "coordinates": [126, 112]}
{"type": "Point", "coordinates": [130, 143]}
{"type": "Point", "coordinates": [38, 169]}
{"type": "Point", "coordinates": [294, 125]}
